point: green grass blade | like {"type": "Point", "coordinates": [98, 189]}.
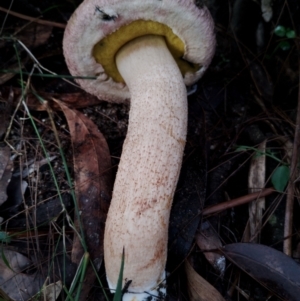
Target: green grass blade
{"type": "Point", "coordinates": [118, 293]}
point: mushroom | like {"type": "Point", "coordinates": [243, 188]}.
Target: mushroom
{"type": "Point", "coordinates": [146, 52]}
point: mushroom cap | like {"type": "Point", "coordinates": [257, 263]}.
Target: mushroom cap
{"type": "Point", "coordinates": [96, 19]}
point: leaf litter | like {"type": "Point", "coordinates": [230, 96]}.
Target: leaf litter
{"type": "Point", "coordinates": [6, 169]}
{"type": "Point", "coordinates": [14, 280]}
{"type": "Point", "coordinates": [93, 187]}
{"type": "Point", "coordinates": [276, 271]}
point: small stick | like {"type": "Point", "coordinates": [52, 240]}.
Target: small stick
{"type": "Point", "coordinates": [32, 19]}
{"type": "Point", "coordinates": [237, 202]}
{"type": "Point", "coordinates": [289, 208]}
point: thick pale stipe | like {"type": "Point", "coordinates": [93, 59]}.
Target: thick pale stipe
{"type": "Point", "coordinates": [148, 172]}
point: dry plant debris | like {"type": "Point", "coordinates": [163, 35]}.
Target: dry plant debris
{"type": "Point", "coordinates": [199, 289]}
{"type": "Point", "coordinates": [273, 269]}
{"type": "Point", "coordinates": [15, 281]}
{"type": "Point", "coordinates": [6, 167]}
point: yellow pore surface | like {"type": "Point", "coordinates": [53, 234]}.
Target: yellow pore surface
{"type": "Point", "coordinates": [105, 50]}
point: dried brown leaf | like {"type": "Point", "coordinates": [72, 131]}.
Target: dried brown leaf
{"type": "Point", "coordinates": [34, 35]}
{"type": "Point", "coordinates": [93, 186]}
{"type": "Point", "coordinates": [93, 179]}
{"type": "Point", "coordinates": [6, 168]}
{"type": "Point", "coordinates": [74, 100]}
{"type": "Point", "coordinates": [199, 289]}
{"type": "Point", "coordinates": [5, 109]}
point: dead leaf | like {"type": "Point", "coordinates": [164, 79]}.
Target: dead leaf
{"type": "Point", "coordinates": [273, 269]}
{"type": "Point", "coordinates": [4, 77]}
{"type": "Point", "coordinates": [256, 182]}
{"type": "Point", "coordinates": [34, 35]}
{"type": "Point", "coordinates": [17, 187]}
{"type": "Point", "coordinates": [6, 167]}
{"type": "Point", "coordinates": [48, 292]}
{"type": "Point", "coordinates": [5, 109]}
{"type": "Point", "coordinates": [93, 179]}
{"type": "Point", "coordinates": [4, 296]}
{"type": "Point", "coordinates": [52, 291]}
{"type": "Point", "coordinates": [31, 35]}
{"type": "Point", "coordinates": [198, 288]}
{"type": "Point", "coordinates": [208, 241]}
{"type": "Point", "coordinates": [74, 100]}
{"type": "Point", "coordinates": [18, 285]}
{"type": "Point", "coordinates": [93, 186]}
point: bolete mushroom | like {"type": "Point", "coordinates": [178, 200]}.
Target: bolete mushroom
{"type": "Point", "coordinates": [144, 51]}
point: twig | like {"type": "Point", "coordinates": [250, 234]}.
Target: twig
{"type": "Point", "coordinates": [32, 19]}
{"type": "Point", "coordinates": [236, 202]}
{"type": "Point", "coordinates": [289, 208]}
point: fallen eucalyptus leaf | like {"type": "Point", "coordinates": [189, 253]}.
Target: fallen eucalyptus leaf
{"type": "Point", "coordinates": [276, 271]}
{"type": "Point", "coordinates": [198, 288]}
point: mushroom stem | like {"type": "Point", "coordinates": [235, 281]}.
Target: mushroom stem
{"type": "Point", "coordinates": [148, 172]}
